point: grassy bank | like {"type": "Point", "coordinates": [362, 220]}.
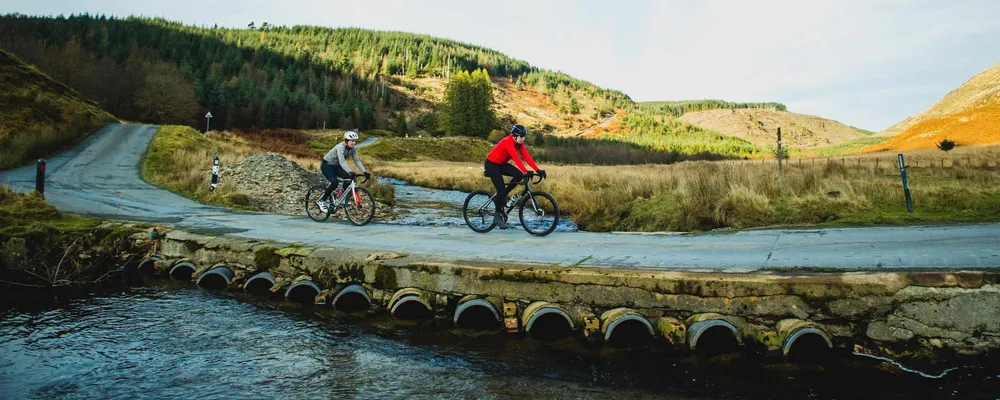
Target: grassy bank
{"type": "Point", "coordinates": [45, 255]}
{"type": "Point", "coordinates": [695, 196]}
{"type": "Point", "coordinates": [39, 116]}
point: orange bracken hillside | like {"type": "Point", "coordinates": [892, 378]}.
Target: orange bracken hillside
{"type": "Point", "coordinates": [969, 115]}
{"type": "Point", "coordinates": [975, 127]}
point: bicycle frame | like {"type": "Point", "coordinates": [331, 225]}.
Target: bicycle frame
{"type": "Point", "coordinates": [342, 201]}
{"type": "Point", "coordinates": [526, 191]}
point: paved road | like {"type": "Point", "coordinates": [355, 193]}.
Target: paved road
{"type": "Point", "coordinates": [100, 177]}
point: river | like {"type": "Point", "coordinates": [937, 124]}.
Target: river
{"type": "Point", "coordinates": [173, 340]}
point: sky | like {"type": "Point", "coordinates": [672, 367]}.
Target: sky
{"type": "Point", "coordinates": [867, 64]}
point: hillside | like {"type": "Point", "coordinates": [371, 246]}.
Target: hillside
{"type": "Point", "coordinates": [302, 77]}
{"type": "Point", "coordinates": [969, 115]}
{"type": "Point", "coordinates": [798, 130]}
{"type": "Point", "coordinates": [39, 116]}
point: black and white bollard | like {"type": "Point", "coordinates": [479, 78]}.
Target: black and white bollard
{"type": "Point", "coordinates": [215, 174]}
{"type": "Point", "coordinates": [40, 177]}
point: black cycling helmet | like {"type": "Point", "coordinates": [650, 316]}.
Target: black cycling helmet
{"type": "Point", "coordinates": [518, 130]}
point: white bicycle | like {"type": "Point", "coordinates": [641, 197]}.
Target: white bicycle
{"type": "Point", "coordinates": [357, 202]}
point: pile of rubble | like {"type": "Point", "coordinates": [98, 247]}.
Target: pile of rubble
{"type": "Point", "coordinates": [274, 183]}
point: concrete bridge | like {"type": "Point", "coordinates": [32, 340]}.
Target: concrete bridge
{"type": "Point", "coordinates": [903, 314]}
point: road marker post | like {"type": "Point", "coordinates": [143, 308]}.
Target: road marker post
{"type": "Point", "coordinates": [906, 185]}
{"type": "Point", "coordinates": [40, 177]}
{"type": "Point", "coordinates": [215, 174]}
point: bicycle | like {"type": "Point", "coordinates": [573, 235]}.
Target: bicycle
{"type": "Point", "coordinates": [538, 211]}
{"type": "Point", "coordinates": [359, 210]}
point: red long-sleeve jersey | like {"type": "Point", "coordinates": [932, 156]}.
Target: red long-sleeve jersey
{"type": "Point", "coordinates": [505, 150]}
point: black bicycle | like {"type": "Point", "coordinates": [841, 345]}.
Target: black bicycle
{"type": "Point", "coordinates": [538, 211]}
{"type": "Point", "coordinates": [357, 202]}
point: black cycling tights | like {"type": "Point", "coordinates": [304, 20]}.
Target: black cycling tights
{"type": "Point", "coordinates": [495, 172]}
{"type": "Point", "coordinates": [331, 172]}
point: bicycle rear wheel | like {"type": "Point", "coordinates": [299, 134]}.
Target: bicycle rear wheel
{"type": "Point", "coordinates": [312, 209]}
{"type": "Point", "coordinates": [478, 211]}
{"type": "Point", "coordinates": [361, 209]}
{"type": "Point", "coordinates": [539, 213]}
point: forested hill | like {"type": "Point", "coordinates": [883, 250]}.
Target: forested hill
{"type": "Point", "coordinates": [268, 76]}
{"type": "Point", "coordinates": [679, 108]}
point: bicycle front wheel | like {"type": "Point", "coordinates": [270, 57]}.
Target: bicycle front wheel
{"type": "Point", "coordinates": [478, 211]}
{"type": "Point", "coordinates": [312, 209]}
{"type": "Point", "coordinates": [361, 209]}
{"type": "Point", "coordinates": [539, 213]}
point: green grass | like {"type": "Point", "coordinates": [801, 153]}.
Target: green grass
{"type": "Point", "coordinates": [179, 158]}
{"type": "Point", "coordinates": [412, 149]}
{"type": "Point", "coordinates": [39, 116]}
{"type": "Point", "coordinates": [669, 134]}
{"type": "Point", "coordinates": [29, 216]}
{"type": "Point", "coordinates": [848, 147]}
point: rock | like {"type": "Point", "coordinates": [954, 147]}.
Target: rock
{"type": "Point", "coordinates": [967, 311]}
{"type": "Point", "coordinates": [278, 185]}
{"type": "Point", "coordinates": [881, 331]}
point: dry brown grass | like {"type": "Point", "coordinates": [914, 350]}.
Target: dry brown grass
{"type": "Point", "coordinates": [707, 195]}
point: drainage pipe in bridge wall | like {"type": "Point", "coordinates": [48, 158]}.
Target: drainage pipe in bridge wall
{"type": "Point", "coordinates": [546, 321]}
{"type": "Point", "coordinates": [303, 291]}
{"type": "Point", "coordinates": [410, 304]}
{"type": "Point", "coordinates": [474, 312]}
{"type": "Point", "coordinates": [352, 298]}
{"type": "Point", "coordinates": [803, 340]}
{"type": "Point", "coordinates": [260, 285]}
{"type": "Point", "coordinates": [711, 333]}
{"type": "Point", "coordinates": [183, 270]}
{"type": "Point", "coordinates": [148, 266]}
{"type": "Point", "coordinates": [217, 278]}
{"type": "Point", "coordinates": [626, 327]}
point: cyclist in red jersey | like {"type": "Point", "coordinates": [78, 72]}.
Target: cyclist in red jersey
{"type": "Point", "coordinates": [496, 166]}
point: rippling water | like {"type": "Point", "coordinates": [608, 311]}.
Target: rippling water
{"type": "Point", "coordinates": [418, 205]}
{"type": "Point", "coordinates": [170, 341]}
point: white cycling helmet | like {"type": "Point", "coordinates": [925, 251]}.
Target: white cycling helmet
{"type": "Point", "coordinates": [350, 135]}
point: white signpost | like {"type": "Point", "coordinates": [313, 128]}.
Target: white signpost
{"type": "Point", "coordinates": [208, 121]}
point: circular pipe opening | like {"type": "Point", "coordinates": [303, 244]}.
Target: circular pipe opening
{"type": "Point", "coordinates": [477, 314]}
{"type": "Point", "coordinates": [183, 271]}
{"type": "Point", "coordinates": [216, 279]}
{"type": "Point", "coordinates": [411, 307]}
{"type": "Point", "coordinates": [352, 298]}
{"type": "Point", "coordinates": [148, 266]}
{"type": "Point", "coordinates": [304, 292]}
{"type": "Point", "coordinates": [260, 285]}
{"type": "Point", "coordinates": [629, 330]}
{"type": "Point", "coordinates": [549, 324]}
{"type": "Point", "coordinates": [716, 340]}
{"type": "Point", "coordinates": [808, 345]}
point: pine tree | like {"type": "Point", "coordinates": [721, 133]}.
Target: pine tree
{"type": "Point", "coordinates": [468, 105]}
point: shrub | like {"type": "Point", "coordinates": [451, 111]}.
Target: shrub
{"type": "Point", "coordinates": [946, 145]}
{"type": "Point", "coordinates": [743, 207]}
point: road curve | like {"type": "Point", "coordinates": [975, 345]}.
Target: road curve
{"type": "Point", "coordinates": [100, 177]}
